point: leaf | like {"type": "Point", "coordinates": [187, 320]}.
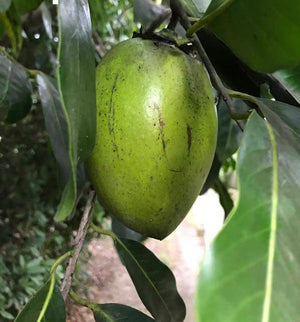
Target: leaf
{"type": "Point", "coordinates": [285, 120]}
{"type": "Point", "coordinates": [47, 19]}
{"type": "Point", "coordinates": [154, 282]}
{"type": "Point", "coordinates": [123, 231]}
{"type": "Point", "coordinates": [196, 8]}
{"type": "Point", "coordinates": [146, 11]}
{"type": "Point", "coordinates": [76, 82]}
{"type": "Point", "coordinates": [55, 311]}
{"type": "Point", "coordinates": [290, 78]}
{"type": "Point", "coordinates": [4, 5]}
{"type": "Point", "coordinates": [247, 28]}
{"type": "Point", "coordinates": [119, 312]}
{"type": "Point", "coordinates": [229, 134]}
{"type": "Point", "coordinates": [251, 271]}
{"type": "Point", "coordinates": [55, 124]}
{"type": "Point", "coordinates": [15, 91]}
{"type": "Point", "coordinates": [25, 6]}
{"type": "Point", "coordinates": [224, 196]}
{"type": "Point", "coordinates": [212, 175]}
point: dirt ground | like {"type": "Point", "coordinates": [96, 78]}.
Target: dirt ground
{"type": "Point", "coordinates": [182, 251]}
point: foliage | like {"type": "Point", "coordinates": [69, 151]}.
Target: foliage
{"type": "Point", "coordinates": [47, 108]}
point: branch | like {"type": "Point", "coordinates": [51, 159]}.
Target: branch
{"type": "Point", "coordinates": [176, 7]}
{"type": "Point", "coordinates": [77, 243]}
{"type": "Point", "coordinates": [158, 21]}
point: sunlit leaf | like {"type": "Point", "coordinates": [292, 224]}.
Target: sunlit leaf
{"type": "Point", "coordinates": [251, 271]}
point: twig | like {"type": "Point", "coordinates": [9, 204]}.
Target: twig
{"type": "Point", "coordinates": [77, 243]}
{"type": "Point", "coordinates": [176, 7]}
{"type": "Point", "coordinates": [158, 21]}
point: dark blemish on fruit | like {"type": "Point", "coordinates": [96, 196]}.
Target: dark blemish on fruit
{"type": "Point", "coordinates": [161, 127]}
{"type": "Point", "coordinates": [189, 137]}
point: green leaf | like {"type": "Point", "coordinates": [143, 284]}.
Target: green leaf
{"type": "Point", "coordinates": [25, 6]}
{"type": "Point", "coordinates": [224, 196]}
{"type": "Point", "coordinates": [290, 78]}
{"type": "Point", "coordinates": [251, 271]}
{"type": "Point", "coordinates": [55, 124]}
{"type": "Point", "coordinates": [118, 312]}
{"type": "Point", "coordinates": [55, 311]}
{"type": "Point", "coordinates": [76, 82]}
{"type": "Point", "coordinates": [47, 19]}
{"type": "Point", "coordinates": [15, 91]}
{"type": "Point", "coordinates": [229, 134]}
{"type": "Point", "coordinates": [196, 8]}
{"type": "Point", "coordinates": [212, 175]}
{"type": "Point", "coordinates": [146, 11]}
{"type": "Point", "coordinates": [4, 5]}
{"type": "Point", "coordinates": [123, 231]}
{"type": "Point", "coordinates": [154, 282]}
{"type": "Point", "coordinates": [247, 28]}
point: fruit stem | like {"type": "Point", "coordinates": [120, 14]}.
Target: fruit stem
{"type": "Point", "coordinates": [242, 96]}
{"type": "Point", "coordinates": [207, 18]}
{"type": "Point", "coordinates": [177, 7]}
{"type": "Point", "coordinates": [103, 231]}
{"type": "Point", "coordinates": [91, 305]}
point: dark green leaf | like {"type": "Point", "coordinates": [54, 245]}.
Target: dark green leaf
{"type": "Point", "coordinates": [196, 8]}
{"type": "Point", "coordinates": [284, 118]}
{"type": "Point", "coordinates": [122, 231]}
{"type": "Point", "coordinates": [55, 124]}
{"type": "Point", "coordinates": [224, 196]}
{"type": "Point", "coordinates": [146, 11]}
{"type": "Point", "coordinates": [290, 78]}
{"type": "Point", "coordinates": [251, 271]}
{"type": "Point", "coordinates": [2, 30]}
{"type": "Point", "coordinates": [118, 312]}
{"type": "Point", "coordinates": [47, 19]}
{"type": "Point", "coordinates": [212, 175]}
{"type": "Point", "coordinates": [55, 311]}
{"type": "Point", "coordinates": [153, 281]}
{"type": "Point", "coordinates": [15, 91]}
{"type": "Point", "coordinates": [229, 134]}
{"type": "Point", "coordinates": [4, 5]}
{"type": "Point", "coordinates": [76, 82]}
{"type": "Point", "coordinates": [247, 27]}
{"type": "Point", "coordinates": [25, 6]}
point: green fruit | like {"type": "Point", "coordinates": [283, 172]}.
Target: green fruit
{"type": "Point", "coordinates": [156, 136]}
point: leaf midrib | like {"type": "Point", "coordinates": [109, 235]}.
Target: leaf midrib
{"type": "Point", "coordinates": [272, 240]}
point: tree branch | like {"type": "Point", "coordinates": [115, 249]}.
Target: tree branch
{"type": "Point", "coordinates": [177, 7]}
{"type": "Point", "coordinates": [158, 21]}
{"type": "Point", "coordinates": [77, 243]}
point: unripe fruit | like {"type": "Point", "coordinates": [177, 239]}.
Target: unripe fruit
{"type": "Point", "coordinates": [156, 135]}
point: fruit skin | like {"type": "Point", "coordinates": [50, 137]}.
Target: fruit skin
{"type": "Point", "coordinates": [156, 135]}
